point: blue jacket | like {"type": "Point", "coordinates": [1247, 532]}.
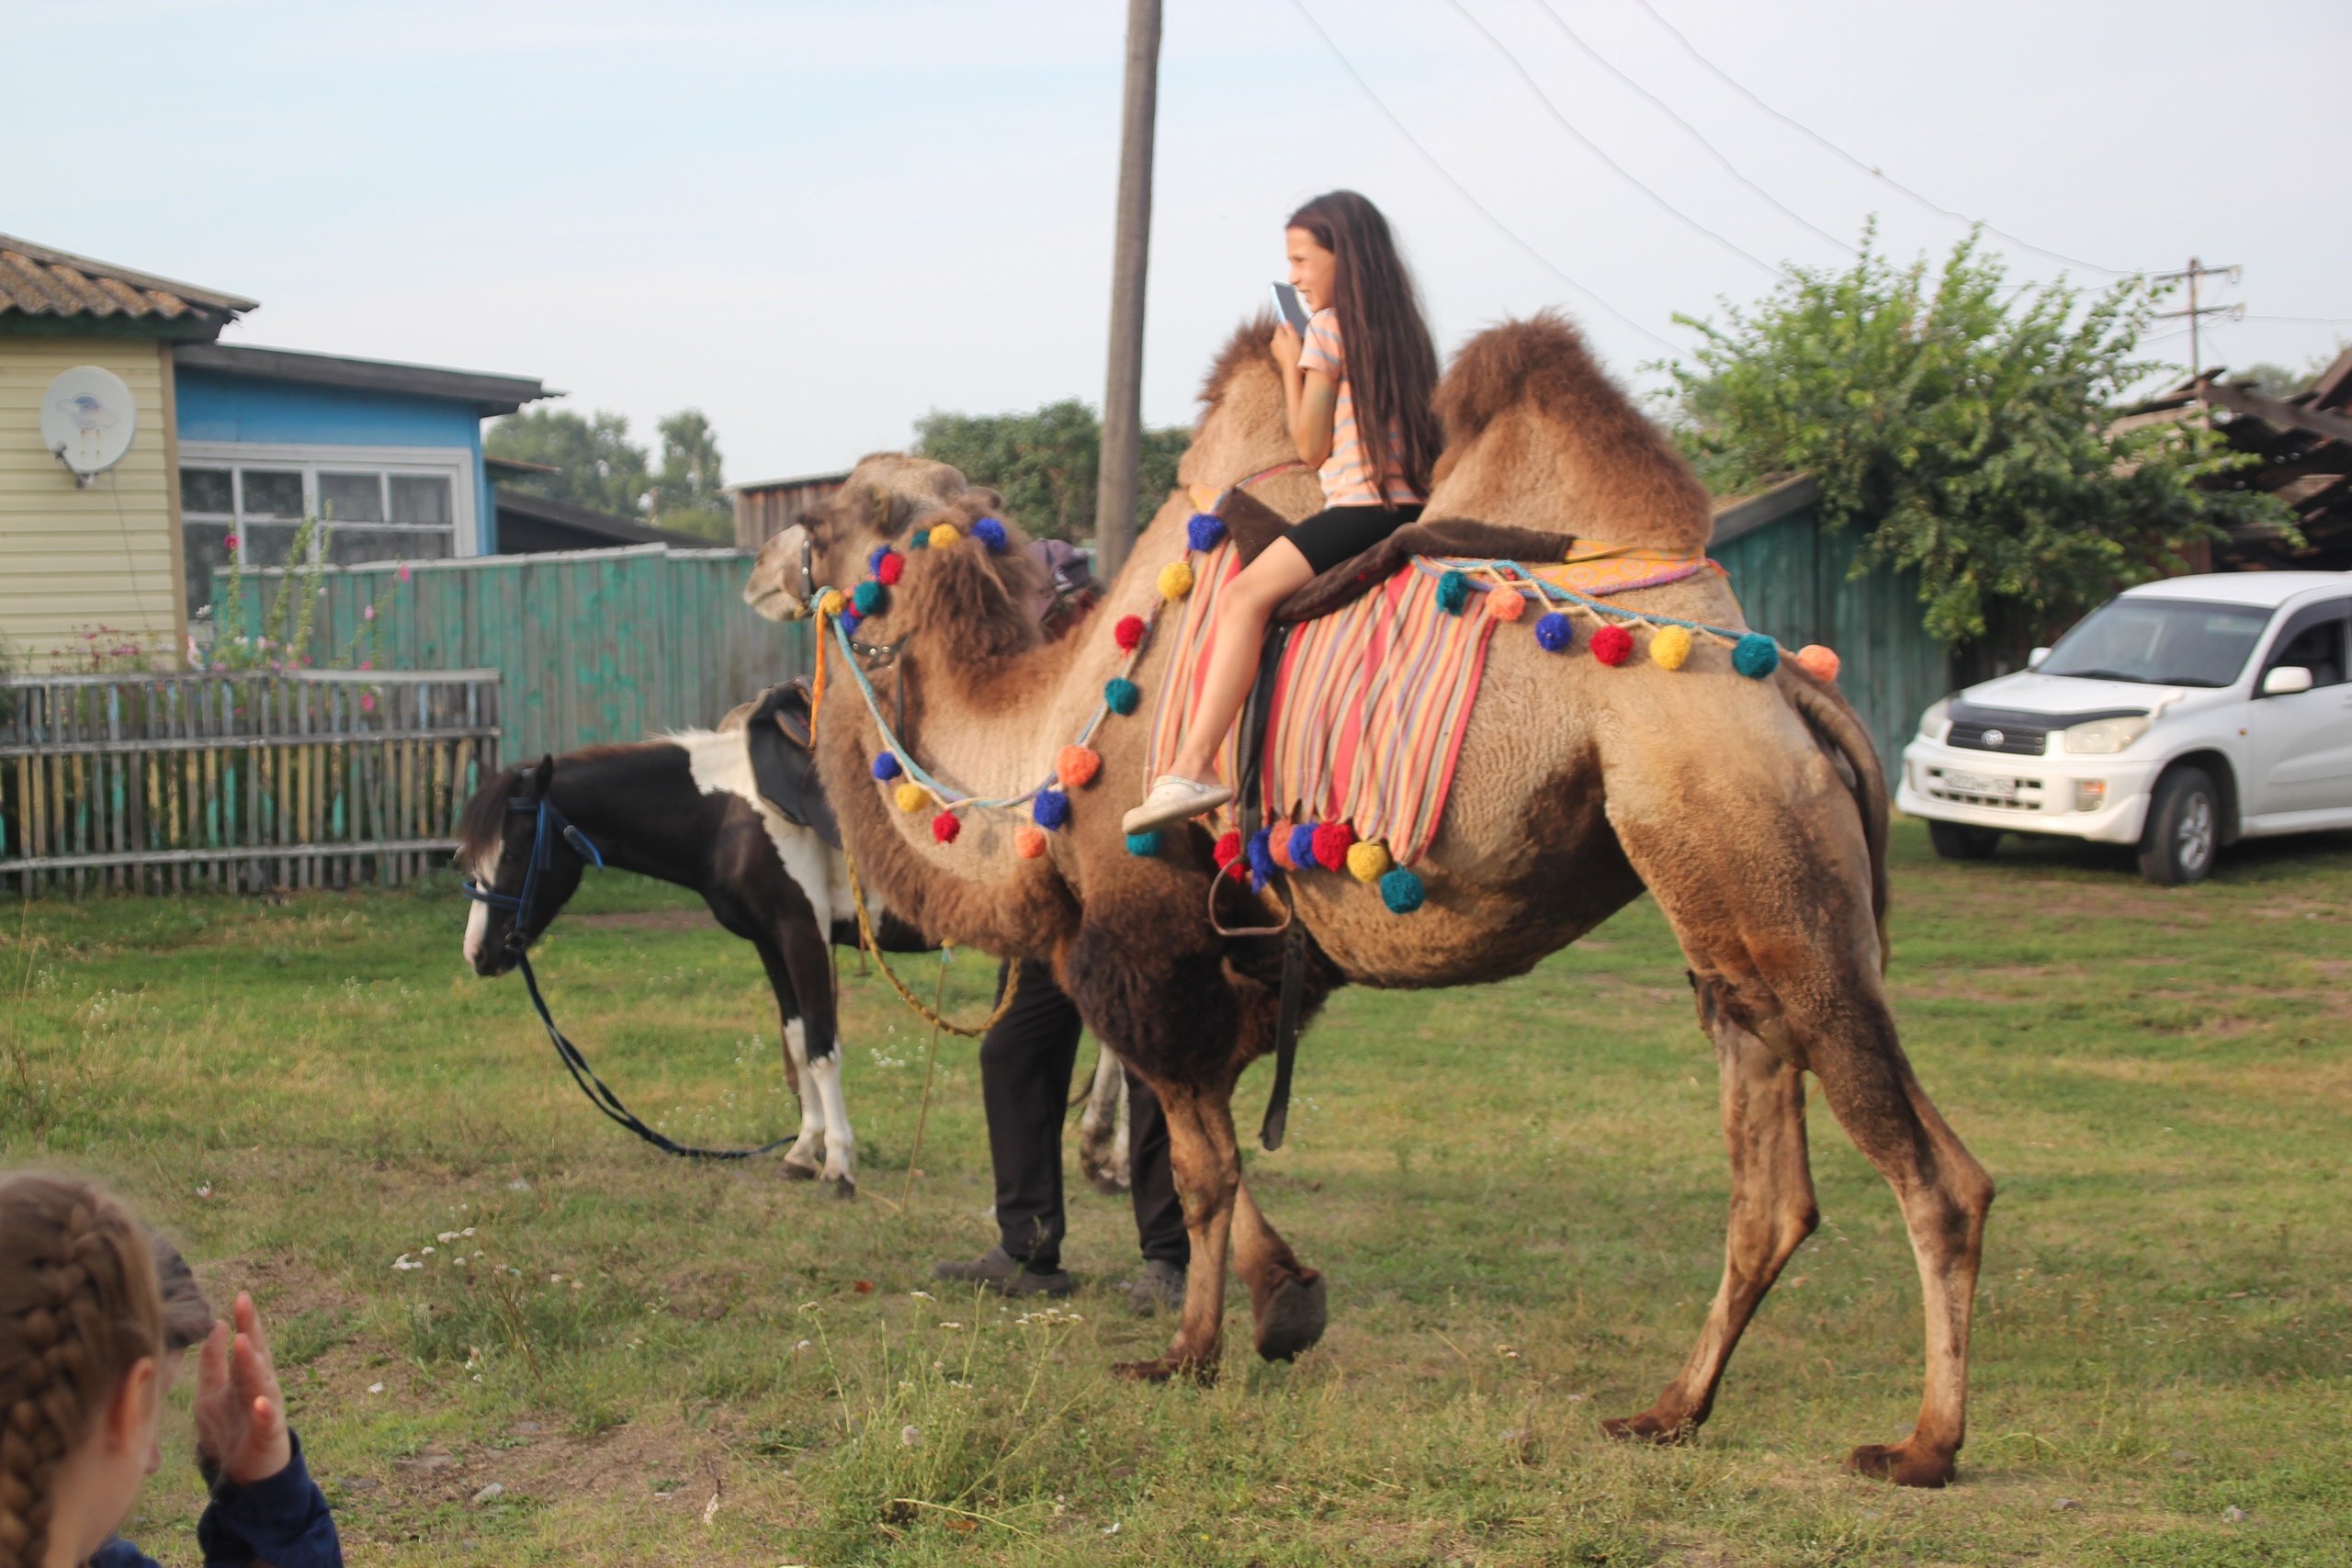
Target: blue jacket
{"type": "Point", "coordinates": [282, 1521]}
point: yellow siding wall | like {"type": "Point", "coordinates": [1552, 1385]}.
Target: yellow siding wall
{"type": "Point", "coordinates": [72, 560]}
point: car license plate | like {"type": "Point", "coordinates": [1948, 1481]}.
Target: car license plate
{"type": "Point", "coordinates": [1977, 784]}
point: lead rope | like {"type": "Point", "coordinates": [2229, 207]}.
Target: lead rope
{"type": "Point", "coordinates": [929, 1015]}
{"type": "Point", "coordinates": [930, 1062]}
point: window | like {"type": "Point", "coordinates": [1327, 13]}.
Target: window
{"type": "Point", "coordinates": [2166, 642]}
{"type": "Point", "coordinates": [251, 514]}
{"type": "Point", "coordinates": [2314, 641]}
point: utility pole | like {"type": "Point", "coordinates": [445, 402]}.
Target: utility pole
{"type": "Point", "coordinates": [2195, 271]}
{"type": "Point", "coordinates": [1115, 494]}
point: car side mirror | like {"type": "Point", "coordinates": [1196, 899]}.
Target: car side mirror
{"type": "Point", "coordinates": [2286, 681]}
{"type": "Point", "coordinates": [2033, 659]}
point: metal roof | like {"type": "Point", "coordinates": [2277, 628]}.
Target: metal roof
{"type": "Point", "coordinates": [490, 394]}
{"type": "Point", "coordinates": [37, 282]}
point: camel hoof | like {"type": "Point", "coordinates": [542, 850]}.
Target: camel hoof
{"type": "Point", "coordinates": [1649, 1427]}
{"type": "Point", "coordinates": [1293, 1316]}
{"type": "Point", "coordinates": [796, 1171]}
{"type": "Point", "coordinates": [1165, 1370]}
{"type": "Point", "coordinates": [1901, 1464]}
{"type": "Point", "coordinates": [844, 1188]}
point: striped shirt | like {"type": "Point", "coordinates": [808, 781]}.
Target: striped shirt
{"type": "Point", "coordinates": [1346, 479]}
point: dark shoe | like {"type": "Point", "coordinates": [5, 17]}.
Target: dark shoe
{"type": "Point", "coordinates": [1162, 1285]}
{"type": "Point", "coordinates": [1006, 1275]}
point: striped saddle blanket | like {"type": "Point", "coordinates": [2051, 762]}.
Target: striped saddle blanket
{"type": "Point", "coordinates": [1372, 702]}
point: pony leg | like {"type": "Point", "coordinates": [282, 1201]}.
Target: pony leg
{"type": "Point", "coordinates": [1772, 1210]}
{"type": "Point", "coordinates": [807, 1155]}
{"type": "Point", "coordinates": [808, 964]}
{"type": "Point", "coordinates": [1207, 1164]}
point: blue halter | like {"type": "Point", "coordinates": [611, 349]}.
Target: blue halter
{"type": "Point", "coordinates": [542, 857]}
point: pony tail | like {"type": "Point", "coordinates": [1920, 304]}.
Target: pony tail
{"type": "Point", "coordinates": [78, 1307]}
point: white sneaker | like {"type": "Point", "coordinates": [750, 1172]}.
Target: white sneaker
{"type": "Point", "coordinates": [1174, 798]}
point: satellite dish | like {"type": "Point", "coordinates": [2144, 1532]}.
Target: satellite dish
{"type": "Point", "coordinates": [87, 420]}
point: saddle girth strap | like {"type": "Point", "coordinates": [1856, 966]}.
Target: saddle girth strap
{"type": "Point", "coordinates": [1248, 792]}
{"type": "Point", "coordinates": [1269, 1132]}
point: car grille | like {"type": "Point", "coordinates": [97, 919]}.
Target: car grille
{"type": "Point", "coordinates": [1939, 785]}
{"type": "Point", "coordinates": [1998, 737]}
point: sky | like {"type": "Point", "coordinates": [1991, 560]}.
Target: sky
{"type": "Point", "coordinates": [817, 222]}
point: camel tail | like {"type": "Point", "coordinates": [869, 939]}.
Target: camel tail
{"type": "Point", "coordinates": [1840, 731]}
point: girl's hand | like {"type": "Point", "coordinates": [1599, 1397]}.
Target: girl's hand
{"type": "Point", "coordinates": [1288, 348]}
{"type": "Point", "coordinates": [240, 1413]}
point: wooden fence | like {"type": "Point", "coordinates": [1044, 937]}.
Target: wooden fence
{"type": "Point", "coordinates": [163, 782]}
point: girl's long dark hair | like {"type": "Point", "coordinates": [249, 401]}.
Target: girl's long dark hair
{"type": "Point", "coordinates": [1391, 360]}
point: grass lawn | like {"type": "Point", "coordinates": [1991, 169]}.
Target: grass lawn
{"type": "Point", "coordinates": [1517, 1191]}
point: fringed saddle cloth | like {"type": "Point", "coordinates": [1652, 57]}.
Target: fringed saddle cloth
{"type": "Point", "coordinates": [1372, 700]}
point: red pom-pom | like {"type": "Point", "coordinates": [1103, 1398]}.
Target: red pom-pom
{"type": "Point", "coordinates": [946, 826]}
{"type": "Point", "coordinates": [1128, 632]}
{"type": "Point", "coordinates": [892, 567]}
{"type": "Point", "coordinates": [1228, 849]}
{"type": "Point", "coordinates": [1612, 644]}
{"type": "Point", "coordinates": [1332, 841]}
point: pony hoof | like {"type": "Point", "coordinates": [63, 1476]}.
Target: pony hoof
{"type": "Point", "coordinates": [1293, 1316]}
{"type": "Point", "coordinates": [844, 1188]}
{"type": "Point", "coordinates": [1108, 1185]}
{"type": "Point", "coordinates": [1901, 1463]}
{"type": "Point", "coordinates": [795, 1171]}
{"type": "Point", "coordinates": [1647, 1427]}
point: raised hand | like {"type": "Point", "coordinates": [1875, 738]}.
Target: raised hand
{"type": "Point", "coordinates": [240, 1413]}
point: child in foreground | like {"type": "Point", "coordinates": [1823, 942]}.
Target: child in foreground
{"type": "Point", "coordinates": [95, 1317]}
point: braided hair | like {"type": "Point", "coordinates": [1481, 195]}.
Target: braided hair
{"type": "Point", "coordinates": [79, 1306]}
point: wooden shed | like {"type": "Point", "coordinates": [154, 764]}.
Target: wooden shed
{"type": "Point", "coordinates": [766, 508]}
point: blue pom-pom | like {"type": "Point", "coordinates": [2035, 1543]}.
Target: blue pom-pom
{"type": "Point", "coordinates": [990, 532]}
{"type": "Point", "coordinates": [1555, 633]}
{"type": "Point", "coordinates": [870, 598]}
{"type": "Point", "coordinates": [1756, 656]}
{"type": "Point", "coordinates": [1121, 695]}
{"type": "Point", "coordinates": [1144, 844]}
{"type": "Point", "coordinates": [1204, 530]}
{"type": "Point", "coordinates": [1452, 593]}
{"type": "Point", "coordinates": [850, 621]}
{"type": "Point", "coordinates": [1301, 846]}
{"type": "Point", "coordinates": [886, 765]}
{"type": "Point", "coordinates": [1050, 809]}
{"type": "Point", "coordinates": [874, 557]}
{"type": "Point", "coordinates": [1401, 891]}
{"type": "Point", "coordinates": [1262, 860]}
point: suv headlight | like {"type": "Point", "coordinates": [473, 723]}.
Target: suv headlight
{"type": "Point", "coordinates": [2105, 737]}
{"type": "Point", "coordinates": [1932, 723]}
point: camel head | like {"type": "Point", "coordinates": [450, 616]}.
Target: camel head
{"type": "Point", "coordinates": [891, 487]}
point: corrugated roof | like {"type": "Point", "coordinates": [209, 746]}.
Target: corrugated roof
{"type": "Point", "coordinates": [38, 281]}
{"type": "Point", "coordinates": [490, 394]}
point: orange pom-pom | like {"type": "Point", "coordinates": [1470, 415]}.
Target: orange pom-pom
{"type": "Point", "coordinates": [1077, 765]}
{"type": "Point", "coordinates": [1279, 843]}
{"type": "Point", "coordinates": [946, 826]}
{"type": "Point", "coordinates": [1821, 663]}
{"type": "Point", "coordinates": [1506, 604]}
{"type": "Point", "coordinates": [1029, 840]}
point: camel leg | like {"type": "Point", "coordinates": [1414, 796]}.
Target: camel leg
{"type": "Point", "coordinates": [1772, 1212]}
{"type": "Point", "coordinates": [1207, 1163]}
{"type": "Point", "coordinates": [1287, 1299]}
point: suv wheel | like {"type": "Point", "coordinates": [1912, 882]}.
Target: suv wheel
{"type": "Point", "coordinates": [2184, 831]}
{"type": "Point", "coordinates": [1957, 840]}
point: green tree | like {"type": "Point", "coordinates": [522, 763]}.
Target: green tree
{"type": "Point", "coordinates": [1971, 426]}
{"type": "Point", "coordinates": [1045, 462]}
{"type": "Point", "coordinates": [686, 496]}
{"type": "Point", "coordinates": [596, 464]}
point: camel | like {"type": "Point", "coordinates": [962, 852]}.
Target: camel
{"type": "Point", "coordinates": [1754, 810]}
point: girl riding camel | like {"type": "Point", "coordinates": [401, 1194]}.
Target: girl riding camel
{"type": "Point", "coordinates": [1358, 389]}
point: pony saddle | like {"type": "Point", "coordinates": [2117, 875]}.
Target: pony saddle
{"type": "Point", "coordinates": [784, 757]}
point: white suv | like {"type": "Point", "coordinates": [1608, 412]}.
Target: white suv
{"type": "Point", "coordinates": [2179, 716]}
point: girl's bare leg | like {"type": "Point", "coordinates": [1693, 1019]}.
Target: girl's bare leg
{"type": "Point", "coordinates": [1242, 611]}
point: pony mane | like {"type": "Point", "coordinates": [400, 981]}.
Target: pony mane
{"type": "Point", "coordinates": [481, 827]}
{"type": "Point", "coordinates": [1245, 348]}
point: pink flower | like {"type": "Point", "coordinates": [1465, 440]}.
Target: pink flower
{"type": "Point", "coordinates": [230, 543]}
{"type": "Point", "coordinates": [368, 612]}
{"type": "Point", "coordinates": [367, 702]}
{"type": "Point", "coordinates": [367, 664]}
{"type": "Point", "coordinates": [402, 574]}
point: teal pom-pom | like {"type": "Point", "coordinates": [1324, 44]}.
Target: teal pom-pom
{"type": "Point", "coordinates": [886, 765]}
{"type": "Point", "coordinates": [1145, 844]}
{"type": "Point", "coordinates": [1756, 656]}
{"type": "Point", "coordinates": [1452, 593]}
{"type": "Point", "coordinates": [1554, 633]}
{"type": "Point", "coordinates": [919, 540]}
{"type": "Point", "coordinates": [1121, 695]}
{"type": "Point", "coordinates": [1401, 891]}
{"type": "Point", "coordinates": [869, 598]}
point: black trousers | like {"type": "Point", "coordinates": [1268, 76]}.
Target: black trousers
{"type": "Point", "coordinates": [1025, 1067]}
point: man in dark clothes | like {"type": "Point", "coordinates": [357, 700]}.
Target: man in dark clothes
{"type": "Point", "coordinates": [1025, 1066]}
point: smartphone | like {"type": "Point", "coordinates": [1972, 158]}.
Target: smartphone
{"type": "Point", "coordinates": [1292, 308]}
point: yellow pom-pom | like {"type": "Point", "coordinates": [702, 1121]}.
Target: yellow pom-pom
{"type": "Point", "coordinates": [1506, 604]}
{"type": "Point", "coordinates": [1175, 579]}
{"type": "Point", "coordinates": [830, 602]}
{"type": "Point", "coordinates": [1368, 862]}
{"type": "Point", "coordinates": [944, 535]}
{"type": "Point", "coordinates": [1821, 663]}
{"type": "Point", "coordinates": [1028, 840]}
{"type": "Point", "coordinates": [910, 796]}
{"type": "Point", "coordinates": [1669, 646]}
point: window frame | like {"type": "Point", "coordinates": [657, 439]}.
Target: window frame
{"type": "Point", "coordinates": [456, 464]}
{"type": "Point", "coordinates": [2294, 624]}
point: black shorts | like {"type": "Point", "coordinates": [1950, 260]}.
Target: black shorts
{"type": "Point", "coordinates": [1340, 533]}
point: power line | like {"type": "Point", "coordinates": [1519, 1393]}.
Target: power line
{"type": "Point", "coordinates": [2303, 321]}
{"type": "Point", "coordinates": [1693, 131]}
{"type": "Point", "coordinates": [1463, 191]}
{"type": "Point", "coordinates": [1594, 148]}
{"type": "Point", "coordinates": [1874, 172]}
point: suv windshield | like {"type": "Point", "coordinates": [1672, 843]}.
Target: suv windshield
{"type": "Point", "coordinates": [2165, 642]}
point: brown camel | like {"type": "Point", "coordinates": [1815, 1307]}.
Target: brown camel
{"type": "Point", "coordinates": [1754, 810]}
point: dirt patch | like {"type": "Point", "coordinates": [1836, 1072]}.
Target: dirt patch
{"type": "Point", "coordinates": [649, 921]}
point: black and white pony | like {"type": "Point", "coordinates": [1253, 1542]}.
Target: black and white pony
{"type": "Point", "coordinates": [734, 813]}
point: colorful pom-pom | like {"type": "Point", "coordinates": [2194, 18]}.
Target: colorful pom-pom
{"type": "Point", "coordinates": [1302, 847]}
{"type": "Point", "coordinates": [1050, 809]}
{"type": "Point", "coordinates": [1333, 840]}
{"type": "Point", "coordinates": [830, 602]}
{"type": "Point", "coordinates": [1401, 891]}
{"type": "Point", "coordinates": [1204, 530]}
{"type": "Point", "coordinates": [1128, 633]}
{"type": "Point", "coordinates": [869, 598]}
{"type": "Point", "coordinates": [1612, 644]}
{"type": "Point", "coordinates": [1452, 593]}
{"type": "Point", "coordinates": [1669, 646]}
{"type": "Point", "coordinates": [851, 620]}
{"type": "Point", "coordinates": [1028, 841]}
{"type": "Point", "coordinates": [990, 532]}
{"type": "Point", "coordinates": [1278, 845]}
{"type": "Point", "coordinates": [1506, 604]}
{"type": "Point", "coordinates": [1145, 844]}
{"type": "Point", "coordinates": [890, 568]}
{"type": "Point", "coordinates": [1077, 765]}
{"type": "Point", "coordinates": [918, 539]}
{"type": "Point", "coordinates": [886, 765]}
{"type": "Point", "coordinates": [1756, 656]}
{"type": "Point", "coordinates": [910, 795]}
{"type": "Point", "coordinates": [1228, 847]}
{"type": "Point", "coordinates": [1175, 579]}
{"type": "Point", "coordinates": [1555, 633]}
{"type": "Point", "coordinates": [874, 557]}
{"type": "Point", "coordinates": [1368, 862]}
{"type": "Point", "coordinates": [946, 826]}
{"type": "Point", "coordinates": [944, 535]}
{"type": "Point", "coordinates": [1821, 663]}
{"type": "Point", "coordinates": [1121, 695]}
{"type": "Point", "coordinates": [1262, 860]}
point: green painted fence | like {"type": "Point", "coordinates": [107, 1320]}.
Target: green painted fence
{"type": "Point", "coordinates": [594, 645]}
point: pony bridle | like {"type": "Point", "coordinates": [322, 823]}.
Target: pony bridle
{"type": "Point", "coordinates": [552, 825]}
